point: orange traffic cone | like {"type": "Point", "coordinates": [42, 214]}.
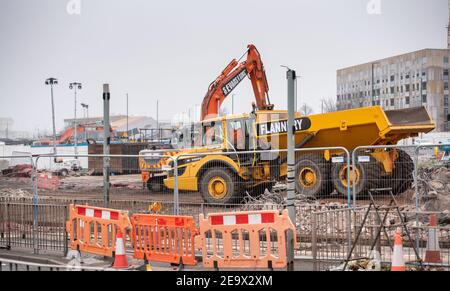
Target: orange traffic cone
{"type": "Point", "coordinates": [433, 254]}
{"type": "Point", "coordinates": [120, 259]}
{"type": "Point", "coordinates": [398, 264]}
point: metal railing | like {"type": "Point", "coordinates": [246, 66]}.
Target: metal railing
{"type": "Point", "coordinates": [36, 221]}
{"type": "Point", "coordinates": [19, 228]}
{"type": "Point", "coordinates": [16, 265]}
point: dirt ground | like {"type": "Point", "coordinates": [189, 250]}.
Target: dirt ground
{"type": "Point", "coordinates": [91, 187]}
{"type": "Point", "coordinates": [129, 187]}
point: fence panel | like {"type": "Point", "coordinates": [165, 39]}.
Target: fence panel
{"type": "Point", "coordinates": [384, 167]}
{"type": "Point", "coordinates": [4, 234]}
{"type": "Point", "coordinates": [18, 229]}
{"type": "Point", "coordinates": [253, 177]}
{"type": "Point", "coordinates": [433, 178]}
{"type": "Point", "coordinates": [16, 177]}
{"type": "Point", "coordinates": [131, 176]}
{"type": "Point", "coordinates": [330, 238]}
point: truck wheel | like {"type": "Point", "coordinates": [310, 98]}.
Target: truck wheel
{"type": "Point", "coordinates": [220, 186]}
{"type": "Point", "coordinates": [312, 176]}
{"type": "Point", "coordinates": [64, 173]}
{"type": "Point", "coordinates": [402, 177]}
{"type": "Point", "coordinates": [156, 184]}
{"type": "Point", "coordinates": [367, 176]}
{"type": "Point", "coordinates": [341, 180]}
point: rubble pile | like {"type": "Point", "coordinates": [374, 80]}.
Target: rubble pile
{"type": "Point", "coordinates": [304, 205]}
{"type": "Point", "coordinates": [434, 188]}
{"type": "Point", "coordinates": [19, 171]}
{"type": "Point", "coordinates": [14, 193]}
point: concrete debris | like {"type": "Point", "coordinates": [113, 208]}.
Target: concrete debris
{"type": "Point", "coordinates": [358, 265]}
{"type": "Point", "coordinates": [372, 263]}
{"type": "Point", "coordinates": [18, 171]}
{"type": "Point", "coordinates": [434, 191]}
{"type": "Point", "coordinates": [304, 205]}
{"type": "Point", "coordinates": [14, 193]}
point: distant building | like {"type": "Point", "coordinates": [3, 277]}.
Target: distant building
{"type": "Point", "coordinates": [5, 127]}
{"type": "Point", "coordinates": [8, 133]}
{"type": "Point", "coordinates": [119, 124]}
{"type": "Point", "coordinates": [414, 79]}
{"type": "Point", "coordinates": [91, 120]}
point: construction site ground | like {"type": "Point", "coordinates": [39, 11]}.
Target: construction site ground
{"type": "Point", "coordinates": [129, 187]}
{"type": "Point", "coordinates": [93, 261]}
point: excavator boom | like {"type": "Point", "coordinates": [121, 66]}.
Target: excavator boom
{"type": "Point", "coordinates": [231, 76]}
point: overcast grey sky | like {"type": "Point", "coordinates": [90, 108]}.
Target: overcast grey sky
{"type": "Point", "coordinates": [172, 50]}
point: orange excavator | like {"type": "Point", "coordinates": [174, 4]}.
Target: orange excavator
{"type": "Point", "coordinates": [67, 136]}
{"type": "Point", "coordinates": [231, 76]}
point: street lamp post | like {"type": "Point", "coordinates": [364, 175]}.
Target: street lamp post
{"type": "Point", "coordinates": [51, 82]}
{"type": "Point", "coordinates": [85, 115]}
{"type": "Point", "coordinates": [157, 115]}
{"type": "Point", "coordinates": [75, 86]}
{"type": "Point", "coordinates": [128, 137]}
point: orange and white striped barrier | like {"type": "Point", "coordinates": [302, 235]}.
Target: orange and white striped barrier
{"type": "Point", "coordinates": [433, 253]}
{"type": "Point", "coordinates": [398, 263]}
{"type": "Point", "coordinates": [252, 240]}
{"type": "Point", "coordinates": [120, 258]}
{"type": "Point", "coordinates": [93, 229]}
{"type": "Point", "coordinates": [164, 238]}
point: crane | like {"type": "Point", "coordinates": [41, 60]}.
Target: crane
{"type": "Point", "coordinates": [231, 76]}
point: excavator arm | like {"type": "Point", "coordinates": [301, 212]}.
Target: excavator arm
{"type": "Point", "coordinates": [231, 76]}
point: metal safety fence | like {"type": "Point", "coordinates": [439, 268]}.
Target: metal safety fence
{"type": "Point", "coordinates": [18, 265]}
{"type": "Point", "coordinates": [406, 171]}
{"type": "Point", "coordinates": [256, 176]}
{"type": "Point", "coordinates": [327, 179]}
{"type": "Point", "coordinates": [355, 235]}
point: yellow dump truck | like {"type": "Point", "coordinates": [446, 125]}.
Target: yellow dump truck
{"type": "Point", "coordinates": [225, 157]}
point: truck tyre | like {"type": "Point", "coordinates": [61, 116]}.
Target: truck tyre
{"type": "Point", "coordinates": [156, 184]}
{"type": "Point", "coordinates": [220, 186]}
{"type": "Point", "coordinates": [402, 176]}
{"type": "Point", "coordinates": [367, 176]}
{"type": "Point", "coordinates": [64, 173]}
{"type": "Point", "coordinates": [312, 176]}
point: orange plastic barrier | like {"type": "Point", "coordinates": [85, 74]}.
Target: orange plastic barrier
{"type": "Point", "coordinates": [255, 239]}
{"type": "Point", "coordinates": [164, 238]}
{"type": "Point", "coordinates": [93, 229]}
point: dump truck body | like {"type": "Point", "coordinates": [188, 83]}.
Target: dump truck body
{"type": "Point", "coordinates": [352, 128]}
{"type": "Point", "coordinates": [229, 170]}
